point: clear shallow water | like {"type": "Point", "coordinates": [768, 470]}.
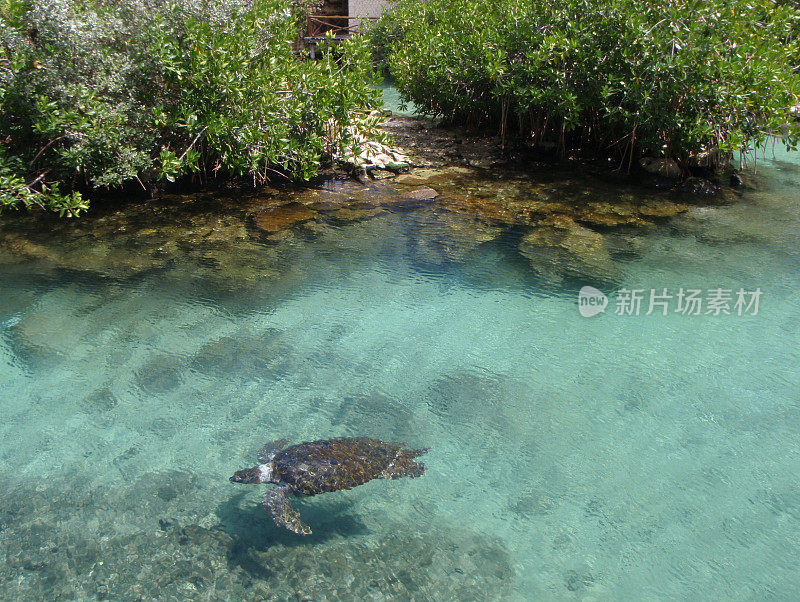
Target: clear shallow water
{"type": "Point", "coordinates": [603, 458]}
{"type": "Point", "coordinates": [393, 102]}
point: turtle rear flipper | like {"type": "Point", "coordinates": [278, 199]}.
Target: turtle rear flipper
{"type": "Point", "coordinates": [276, 501]}
{"type": "Point", "coordinates": [405, 466]}
{"type": "Point", "coordinates": [268, 452]}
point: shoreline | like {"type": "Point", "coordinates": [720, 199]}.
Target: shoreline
{"type": "Point", "coordinates": [464, 182]}
{"type": "Point", "coordinates": [432, 145]}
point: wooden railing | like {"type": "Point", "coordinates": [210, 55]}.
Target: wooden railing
{"type": "Point", "coordinates": [341, 25]}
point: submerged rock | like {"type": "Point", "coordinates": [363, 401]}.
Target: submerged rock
{"type": "Point", "coordinates": [489, 210]}
{"type": "Point", "coordinates": [464, 235]}
{"type": "Point", "coordinates": [662, 209]}
{"type": "Point", "coordinates": [576, 247]}
{"type": "Point", "coordinates": [625, 213]}
{"type": "Point", "coordinates": [610, 219]}
{"type": "Point", "coordinates": [20, 246]}
{"type": "Point", "coordinates": [350, 214]}
{"type": "Point", "coordinates": [277, 218]}
{"type": "Point", "coordinates": [423, 193]}
{"type": "Point", "coordinates": [100, 400]}
{"type": "Point", "coordinates": [253, 354]}
{"type": "Point", "coordinates": [159, 374]}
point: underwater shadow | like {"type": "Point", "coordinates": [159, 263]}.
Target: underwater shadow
{"type": "Point", "coordinates": [251, 529]}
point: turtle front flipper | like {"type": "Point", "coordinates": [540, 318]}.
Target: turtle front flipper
{"type": "Point", "coordinates": [276, 501]}
{"type": "Point", "coordinates": [268, 452]}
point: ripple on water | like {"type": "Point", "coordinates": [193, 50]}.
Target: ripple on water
{"type": "Point", "coordinates": [145, 354]}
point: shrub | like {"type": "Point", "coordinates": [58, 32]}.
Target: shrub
{"type": "Point", "coordinates": [385, 34]}
{"type": "Point", "coordinates": [98, 94]}
{"type": "Point", "coordinates": [678, 78]}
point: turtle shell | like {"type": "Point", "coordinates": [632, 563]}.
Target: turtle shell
{"type": "Point", "coordinates": [333, 464]}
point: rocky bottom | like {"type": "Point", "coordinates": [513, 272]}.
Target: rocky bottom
{"type": "Point", "coordinates": [173, 560]}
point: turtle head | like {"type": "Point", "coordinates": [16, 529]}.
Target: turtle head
{"type": "Point", "coordinates": [258, 474]}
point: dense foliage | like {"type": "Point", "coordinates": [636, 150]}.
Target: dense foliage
{"type": "Point", "coordinates": [678, 78]}
{"type": "Point", "coordinates": [98, 94]}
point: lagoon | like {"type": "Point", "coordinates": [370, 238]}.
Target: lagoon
{"type": "Point", "coordinates": [148, 351]}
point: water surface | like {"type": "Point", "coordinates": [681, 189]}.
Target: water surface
{"type": "Point", "coordinates": [146, 354]}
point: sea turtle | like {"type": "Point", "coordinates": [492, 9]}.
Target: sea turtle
{"type": "Point", "coordinates": [319, 466]}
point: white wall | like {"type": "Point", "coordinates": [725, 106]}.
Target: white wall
{"type": "Point", "coordinates": [367, 8]}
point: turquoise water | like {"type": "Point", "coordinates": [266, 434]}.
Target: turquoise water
{"type": "Point", "coordinates": [392, 101]}
{"type": "Point", "coordinates": [143, 359]}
